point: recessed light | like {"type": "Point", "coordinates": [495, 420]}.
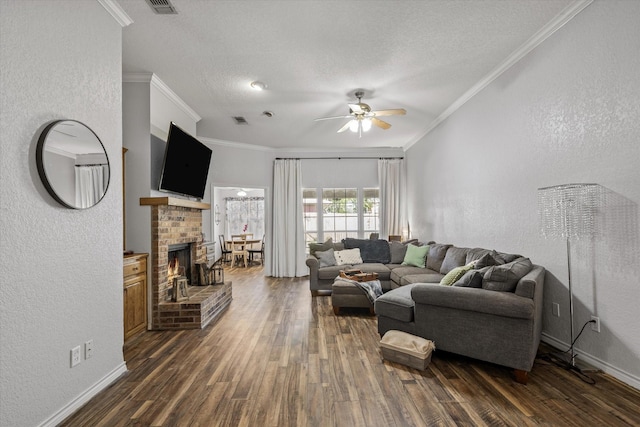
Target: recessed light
{"type": "Point", "coordinates": [257, 85]}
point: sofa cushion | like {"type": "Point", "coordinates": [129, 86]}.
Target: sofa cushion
{"type": "Point", "coordinates": [398, 250]}
{"type": "Point", "coordinates": [370, 250]}
{"type": "Point", "coordinates": [456, 273]}
{"type": "Point", "coordinates": [398, 273]}
{"type": "Point", "coordinates": [437, 252]}
{"type": "Point", "coordinates": [410, 279]}
{"type": "Point", "coordinates": [326, 258]}
{"type": "Point", "coordinates": [455, 257]}
{"type": "Point", "coordinates": [396, 304]}
{"type": "Point", "coordinates": [504, 278]}
{"type": "Point", "coordinates": [416, 256]}
{"type": "Point", "coordinates": [475, 254]}
{"type": "Point", "coordinates": [332, 272]}
{"type": "Point", "coordinates": [348, 256]}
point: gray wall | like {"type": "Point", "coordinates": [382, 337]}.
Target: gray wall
{"type": "Point", "coordinates": [61, 269]}
{"type": "Point", "coordinates": [568, 112]}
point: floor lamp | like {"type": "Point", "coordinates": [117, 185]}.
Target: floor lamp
{"type": "Point", "coordinates": [568, 212]}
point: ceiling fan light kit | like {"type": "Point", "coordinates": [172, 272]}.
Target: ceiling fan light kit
{"type": "Point", "coordinates": [362, 118]}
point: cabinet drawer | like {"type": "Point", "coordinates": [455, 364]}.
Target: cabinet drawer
{"type": "Point", "coordinates": [135, 267]}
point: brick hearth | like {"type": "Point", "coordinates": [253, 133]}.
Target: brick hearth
{"type": "Point", "coordinates": [179, 221]}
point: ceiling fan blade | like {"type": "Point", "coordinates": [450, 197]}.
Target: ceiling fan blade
{"type": "Point", "coordinates": [356, 108]}
{"type": "Point", "coordinates": [345, 127]}
{"type": "Point", "coordinates": [392, 112]}
{"type": "Point", "coordinates": [380, 123]}
{"type": "Point", "coordinates": [334, 117]}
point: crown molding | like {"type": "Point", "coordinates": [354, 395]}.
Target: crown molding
{"type": "Point", "coordinates": [534, 41]}
{"type": "Point", "coordinates": [155, 81]}
{"type": "Point", "coordinates": [244, 146]}
{"type": "Point", "coordinates": [117, 12]}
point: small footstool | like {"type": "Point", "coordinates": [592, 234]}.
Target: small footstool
{"type": "Point", "coordinates": [345, 294]}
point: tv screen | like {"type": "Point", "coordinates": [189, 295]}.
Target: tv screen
{"type": "Point", "coordinates": [186, 164]}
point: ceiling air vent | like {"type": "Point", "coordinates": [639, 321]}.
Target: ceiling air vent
{"type": "Point", "coordinates": [162, 7]}
{"type": "Point", "coordinates": [240, 120]}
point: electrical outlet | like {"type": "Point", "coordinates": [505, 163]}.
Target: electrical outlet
{"type": "Point", "coordinates": [75, 356]}
{"type": "Point", "coordinates": [595, 323]}
{"type": "Point", "coordinates": [556, 309]}
{"type": "Point", "coordinates": [88, 349]}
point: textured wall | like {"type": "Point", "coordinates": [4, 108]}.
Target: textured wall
{"type": "Point", "coordinates": [61, 269]}
{"type": "Point", "coordinates": [568, 112]}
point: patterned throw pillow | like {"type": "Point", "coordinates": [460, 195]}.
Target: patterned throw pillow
{"type": "Point", "coordinates": [455, 274]}
{"type": "Point", "coordinates": [326, 258]}
{"type": "Point", "coordinates": [348, 256]}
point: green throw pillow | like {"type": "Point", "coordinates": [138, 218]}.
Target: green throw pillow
{"type": "Point", "coordinates": [456, 274]}
{"type": "Point", "coordinates": [416, 256]}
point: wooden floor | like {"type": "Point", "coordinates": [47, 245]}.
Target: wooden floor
{"type": "Point", "coordinates": [279, 357]}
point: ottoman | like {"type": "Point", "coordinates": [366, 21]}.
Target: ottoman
{"type": "Point", "coordinates": [345, 294]}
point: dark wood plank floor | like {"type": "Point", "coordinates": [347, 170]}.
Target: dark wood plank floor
{"type": "Point", "coordinates": [279, 357]}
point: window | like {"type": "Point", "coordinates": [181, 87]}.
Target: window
{"type": "Point", "coordinates": [338, 213]}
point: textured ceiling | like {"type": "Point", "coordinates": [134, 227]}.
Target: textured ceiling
{"type": "Point", "coordinates": [418, 55]}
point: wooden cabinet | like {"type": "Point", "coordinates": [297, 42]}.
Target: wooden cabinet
{"type": "Point", "coordinates": [135, 294]}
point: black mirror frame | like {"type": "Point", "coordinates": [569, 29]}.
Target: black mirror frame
{"type": "Point", "coordinates": [43, 174]}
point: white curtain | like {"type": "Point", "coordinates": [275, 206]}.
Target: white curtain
{"type": "Point", "coordinates": [91, 184]}
{"type": "Point", "coordinates": [287, 242]}
{"type": "Point", "coordinates": [244, 215]}
{"type": "Point", "coordinates": [393, 209]}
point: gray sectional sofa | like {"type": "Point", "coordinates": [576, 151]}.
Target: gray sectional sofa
{"type": "Point", "coordinates": [491, 311]}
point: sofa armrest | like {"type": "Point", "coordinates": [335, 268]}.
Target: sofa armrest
{"type": "Point", "coordinates": [313, 264]}
{"type": "Point", "coordinates": [505, 304]}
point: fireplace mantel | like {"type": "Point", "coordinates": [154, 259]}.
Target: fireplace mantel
{"type": "Point", "coordinates": [173, 201]}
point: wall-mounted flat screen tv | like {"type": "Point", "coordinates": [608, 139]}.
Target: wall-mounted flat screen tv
{"type": "Point", "coordinates": [186, 164]}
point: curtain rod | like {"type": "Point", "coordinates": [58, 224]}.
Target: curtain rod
{"type": "Point", "coordinates": [339, 158]}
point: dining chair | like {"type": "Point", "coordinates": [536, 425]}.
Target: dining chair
{"type": "Point", "coordinates": [253, 252]}
{"type": "Point", "coordinates": [223, 248]}
{"type": "Point", "coordinates": [239, 250]}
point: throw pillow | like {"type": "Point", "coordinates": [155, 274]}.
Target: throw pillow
{"type": "Point", "coordinates": [370, 250]}
{"type": "Point", "coordinates": [314, 247]}
{"type": "Point", "coordinates": [504, 278]}
{"type": "Point", "coordinates": [455, 274]}
{"type": "Point", "coordinates": [487, 260]}
{"type": "Point", "coordinates": [398, 251]}
{"type": "Point", "coordinates": [326, 258]}
{"type": "Point", "coordinates": [416, 256]}
{"type": "Point", "coordinates": [348, 256]}
{"type": "Point", "coordinates": [470, 279]}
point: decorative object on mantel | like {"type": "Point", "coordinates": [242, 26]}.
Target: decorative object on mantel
{"type": "Point", "coordinates": [180, 290]}
{"type": "Point", "coordinates": [64, 139]}
{"type": "Point", "coordinates": [569, 212]}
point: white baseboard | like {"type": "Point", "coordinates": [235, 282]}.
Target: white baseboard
{"type": "Point", "coordinates": [85, 396]}
{"type": "Point", "coordinates": [615, 372]}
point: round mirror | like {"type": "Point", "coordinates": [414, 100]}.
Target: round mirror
{"type": "Point", "coordinates": [72, 164]}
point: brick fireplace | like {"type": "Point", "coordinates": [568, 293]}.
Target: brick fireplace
{"type": "Point", "coordinates": [179, 222]}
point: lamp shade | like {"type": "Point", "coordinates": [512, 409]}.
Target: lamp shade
{"type": "Point", "coordinates": [569, 211]}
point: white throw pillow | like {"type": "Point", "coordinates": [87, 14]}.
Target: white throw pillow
{"type": "Point", "coordinates": [348, 256]}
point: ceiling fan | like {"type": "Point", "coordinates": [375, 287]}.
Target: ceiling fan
{"type": "Point", "coordinates": [362, 118]}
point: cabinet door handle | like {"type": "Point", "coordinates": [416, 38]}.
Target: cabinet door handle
{"type": "Point", "coordinates": [135, 268]}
